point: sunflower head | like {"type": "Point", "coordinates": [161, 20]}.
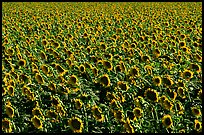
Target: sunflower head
{"type": "Point", "coordinates": [22, 63]}
{"type": "Point", "coordinates": [9, 111]}
{"type": "Point", "coordinates": [123, 85]}
{"type": "Point", "coordinates": [52, 86]}
{"type": "Point", "coordinates": [128, 126]}
{"type": "Point", "coordinates": [196, 111]}
{"type": "Point", "coordinates": [107, 64]}
{"type": "Point", "coordinates": [198, 126]}
{"type": "Point", "coordinates": [37, 122]}
{"type": "Point", "coordinates": [76, 125]}
{"type": "Point", "coordinates": [6, 125]}
{"type": "Point", "coordinates": [195, 67]}
{"type": "Point", "coordinates": [168, 105]}
{"type": "Point", "coordinates": [167, 81]}
{"type": "Point", "coordinates": [119, 115]}
{"type": "Point", "coordinates": [180, 83]}
{"type": "Point", "coordinates": [60, 69]}
{"type": "Point", "coordinates": [73, 80]}
{"type": "Point", "coordinates": [82, 68]}
{"type": "Point", "coordinates": [78, 103]}
{"type": "Point", "coordinates": [171, 94]}
{"type": "Point", "coordinates": [157, 52]}
{"type": "Point", "coordinates": [145, 58]}
{"type": "Point", "coordinates": [43, 55]}
{"type": "Point", "coordinates": [138, 112]}
{"type": "Point", "coordinates": [122, 65]}
{"type": "Point", "coordinates": [51, 114]}
{"type": "Point", "coordinates": [134, 71]}
{"type": "Point", "coordinates": [179, 107]}
{"type": "Point", "coordinates": [187, 75]}
{"type": "Point", "coordinates": [39, 78]}
{"type": "Point", "coordinates": [181, 92]}
{"type": "Point", "coordinates": [114, 104]}
{"type": "Point", "coordinates": [97, 113]}
{"type": "Point", "coordinates": [10, 90]}
{"type": "Point", "coordinates": [118, 68]}
{"type": "Point", "coordinates": [157, 80]}
{"type": "Point", "coordinates": [36, 111]}
{"type": "Point", "coordinates": [25, 89]}
{"type": "Point", "coordinates": [104, 80]}
{"type": "Point", "coordinates": [167, 121]}
{"type": "Point", "coordinates": [95, 71]}
{"type": "Point", "coordinates": [151, 95]}
{"type": "Point", "coordinates": [45, 69]}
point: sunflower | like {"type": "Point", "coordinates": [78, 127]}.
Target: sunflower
{"type": "Point", "coordinates": [87, 65]}
{"type": "Point", "coordinates": [128, 126]}
{"type": "Point", "coordinates": [97, 113]}
{"type": "Point", "coordinates": [167, 81]}
{"type": "Point", "coordinates": [24, 89]}
{"type": "Point", "coordinates": [95, 71]}
{"type": "Point", "coordinates": [43, 55]}
{"type": "Point", "coordinates": [45, 69]}
{"type": "Point", "coordinates": [145, 58]}
{"type": "Point", "coordinates": [55, 101]}
{"type": "Point", "coordinates": [36, 122]}
{"type": "Point", "coordinates": [180, 83]}
{"type": "Point", "coordinates": [119, 115]}
{"type": "Point", "coordinates": [36, 111]}
{"type": "Point", "coordinates": [167, 121]}
{"type": "Point", "coordinates": [121, 98]}
{"type": "Point", "coordinates": [61, 70]}
{"type": "Point", "coordinates": [181, 92]}
{"type": "Point", "coordinates": [104, 80]}
{"type": "Point", "coordinates": [60, 110]}
{"type": "Point", "coordinates": [30, 95]}
{"type": "Point", "coordinates": [196, 111]}
{"type": "Point", "coordinates": [196, 67]}
{"type": "Point", "coordinates": [107, 64]}
{"type": "Point", "coordinates": [10, 90]}
{"type": "Point", "coordinates": [73, 80]}
{"type": "Point", "coordinates": [187, 75]}
{"type": "Point", "coordinates": [122, 65]}
{"type": "Point", "coordinates": [76, 125]}
{"type": "Point", "coordinates": [118, 68]}
{"type": "Point", "coordinates": [51, 114]}
{"type": "Point", "coordinates": [114, 104]}
{"type": "Point", "coordinates": [10, 51]}
{"type": "Point", "coordinates": [52, 86]}
{"type": "Point", "coordinates": [148, 68]}
{"type": "Point", "coordinates": [168, 105]}
{"type": "Point", "coordinates": [182, 44]}
{"type": "Point", "coordinates": [134, 71]}
{"type": "Point", "coordinates": [200, 94]}
{"type": "Point", "coordinates": [6, 125]}
{"type": "Point", "coordinates": [22, 62]}
{"type": "Point", "coordinates": [78, 103]}
{"type": "Point", "coordinates": [156, 52]}
{"type": "Point", "coordinates": [185, 49]}
{"type": "Point", "coordinates": [39, 78]}
{"type": "Point", "coordinates": [198, 57]}
{"type": "Point", "coordinates": [123, 85]}
{"type": "Point", "coordinates": [9, 111]}
{"type": "Point", "coordinates": [138, 112]}
{"type": "Point", "coordinates": [172, 94]}
{"type": "Point", "coordinates": [151, 95]}
{"type": "Point", "coordinates": [3, 91]}
{"type": "Point", "coordinates": [198, 125]}
{"type": "Point", "coordinates": [110, 96]}
{"type": "Point", "coordinates": [56, 45]}
{"type": "Point", "coordinates": [82, 68]}
{"type": "Point", "coordinates": [157, 80]}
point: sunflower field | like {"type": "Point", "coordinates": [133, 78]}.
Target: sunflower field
{"type": "Point", "coordinates": [102, 67]}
